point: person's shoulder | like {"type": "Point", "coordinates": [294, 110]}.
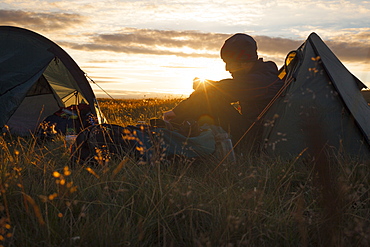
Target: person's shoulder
{"type": "Point", "coordinates": [268, 64]}
{"type": "Point", "coordinates": [227, 80]}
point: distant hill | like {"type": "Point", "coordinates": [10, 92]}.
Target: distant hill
{"type": "Point", "coordinates": [122, 94]}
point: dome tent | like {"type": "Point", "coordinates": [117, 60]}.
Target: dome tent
{"type": "Point", "coordinates": [37, 78]}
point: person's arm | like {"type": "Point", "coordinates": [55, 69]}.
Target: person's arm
{"type": "Point", "coordinates": [198, 103]}
{"type": "Point", "coordinates": [184, 109]}
{"type": "Point", "coordinates": [169, 115]}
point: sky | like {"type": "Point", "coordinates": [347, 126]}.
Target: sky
{"type": "Point", "coordinates": [146, 49]}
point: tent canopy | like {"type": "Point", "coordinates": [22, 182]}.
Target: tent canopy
{"type": "Point", "coordinates": [322, 101]}
{"type": "Point", "coordinates": [37, 77]}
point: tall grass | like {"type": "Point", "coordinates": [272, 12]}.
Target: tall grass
{"type": "Point", "coordinates": [124, 112]}
{"type": "Point", "coordinates": [258, 201]}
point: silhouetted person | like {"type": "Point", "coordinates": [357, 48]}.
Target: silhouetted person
{"type": "Point", "coordinates": [254, 83]}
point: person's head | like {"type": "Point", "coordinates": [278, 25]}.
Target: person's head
{"type": "Point", "coordinates": [239, 52]}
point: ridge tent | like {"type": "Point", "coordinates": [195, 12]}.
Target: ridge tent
{"type": "Point", "coordinates": [37, 77]}
{"type": "Point", "coordinates": [321, 107]}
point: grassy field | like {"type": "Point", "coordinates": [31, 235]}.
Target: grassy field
{"type": "Point", "coordinates": [258, 201]}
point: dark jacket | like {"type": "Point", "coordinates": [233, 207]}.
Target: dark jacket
{"type": "Point", "coordinates": [253, 89]}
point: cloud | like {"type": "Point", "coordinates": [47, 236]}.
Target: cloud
{"type": "Point", "coordinates": [351, 52]}
{"type": "Point", "coordinates": [170, 39]}
{"type": "Point", "coordinates": [131, 50]}
{"type": "Point", "coordinates": [353, 47]}
{"type": "Point", "coordinates": [40, 20]}
{"type": "Point", "coordinates": [154, 42]}
{"type": "Point", "coordinates": [276, 46]}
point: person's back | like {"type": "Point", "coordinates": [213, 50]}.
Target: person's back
{"type": "Point", "coordinates": [254, 89]}
{"type": "Point", "coordinates": [253, 84]}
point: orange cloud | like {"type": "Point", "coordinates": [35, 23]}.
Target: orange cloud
{"type": "Point", "coordinates": [40, 21]}
{"type": "Point", "coordinates": [163, 42]}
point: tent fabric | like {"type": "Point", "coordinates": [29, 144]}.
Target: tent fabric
{"type": "Point", "coordinates": [144, 142]}
{"type": "Point", "coordinates": [345, 83]}
{"type": "Point", "coordinates": [60, 78]}
{"type": "Point", "coordinates": [24, 117]}
{"type": "Point", "coordinates": [175, 143]}
{"type": "Point", "coordinates": [324, 102]}
{"type": "Point", "coordinates": [32, 65]}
